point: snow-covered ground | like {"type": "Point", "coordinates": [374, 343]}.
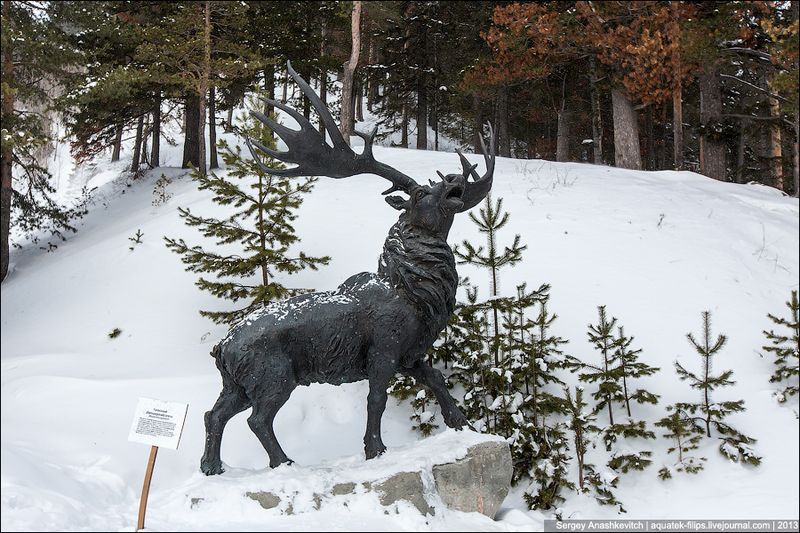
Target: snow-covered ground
{"type": "Point", "coordinates": [656, 247]}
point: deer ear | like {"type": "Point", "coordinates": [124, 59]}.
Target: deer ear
{"type": "Point", "coordinates": [397, 202]}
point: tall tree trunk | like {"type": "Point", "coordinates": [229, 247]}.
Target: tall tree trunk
{"type": "Point", "coordinates": [323, 95]}
{"type": "Point", "coordinates": [323, 76]}
{"type": "Point", "coordinates": [145, 136]}
{"type": "Point", "coordinates": [269, 88]}
{"type": "Point", "coordinates": [597, 117]}
{"type": "Point", "coordinates": [6, 154]}
{"type": "Point", "coordinates": [213, 161]}
{"type": "Point", "coordinates": [422, 112]}
{"type": "Point", "coordinates": [677, 90]}
{"type": "Point", "coordinates": [137, 147]}
{"type": "Point", "coordinates": [562, 135]}
{"type": "Point", "coordinates": [562, 130]}
{"type": "Point", "coordinates": [284, 94]}
{"type": "Point", "coordinates": [740, 152]}
{"type": "Point", "coordinates": [372, 86]}
{"type": "Point", "coordinates": [651, 139]}
{"type": "Point", "coordinates": [404, 127]}
{"type": "Point", "coordinates": [627, 153]}
{"type": "Point", "coordinates": [477, 112]}
{"type": "Point", "coordinates": [349, 72]}
{"type": "Point", "coordinates": [435, 120]}
{"type": "Point", "coordinates": [712, 149]}
{"type": "Point", "coordinates": [117, 143]}
{"type": "Point", "coordinates": [359, 102]}
{"type": "Point", "coordinates": [229, 119]}
{"type": "Point", "coordinates": [775, 149]}
{"type": "Point", "coordinates": [796, 155]}
{"type": "Point", "coordinates": [677, 127]}
{"type": "Point", "coordinates": [502, 122]}
{"type": "Point", "coordinates": [202, 88]}
{"type": "Point", "coordinates": [306, 75]}
{"type": "Point", "coordinates": [192, 137]}
{"type": "Point", "coordinates": [155, 150]}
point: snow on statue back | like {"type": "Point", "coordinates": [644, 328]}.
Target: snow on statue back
{"type": "Point", "coordinates": [373, 325]}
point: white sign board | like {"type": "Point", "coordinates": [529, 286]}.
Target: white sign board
{"type": "Point", "coordinates": [158, 423]}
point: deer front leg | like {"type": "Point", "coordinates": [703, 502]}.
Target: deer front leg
{"type": "Point", "coordinates": [433, 379]}
{"type": "Point", "coordinates": [380, 372]}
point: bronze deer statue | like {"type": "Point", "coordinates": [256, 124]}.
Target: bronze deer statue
{"type": "Point", "coordinates": [374, 324]}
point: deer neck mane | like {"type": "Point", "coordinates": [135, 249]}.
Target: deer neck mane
{"type": "Point", "coordinates": [421, 267]}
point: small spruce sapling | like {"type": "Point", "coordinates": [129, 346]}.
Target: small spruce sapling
{"type": "Point", "coordinates": [685, 436]}
{"type": "Point", "coordinates": [136, 239]}
{"type": "Point", "coordinates": [492, 218]}
{"type": "Point", "coordinates": [608, 388]}
{"type": "Point", "coordinates": [785, 348]}
{"type": "Point", "coordinates": [582, 423]}
{"type": "Point", "coordinates": [256, 233]}
{"type": "Point", "coordinates": [550, 467]}
{"type": "Point", "coordinates": [706, 413]}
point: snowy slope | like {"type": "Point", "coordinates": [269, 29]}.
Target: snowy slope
{"type": "Point", "coordinates": [656, 247]}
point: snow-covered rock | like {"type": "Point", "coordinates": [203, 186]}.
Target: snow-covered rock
{"type": "Point", "coordinates": [462, 471]}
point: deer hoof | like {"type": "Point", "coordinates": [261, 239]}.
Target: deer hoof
{"type": "Point", "coordinates": [285, 461]}
{"type": "Point", "coordinates": [211, 469]}
{"type": "Point", "coordinates": [373, 452]}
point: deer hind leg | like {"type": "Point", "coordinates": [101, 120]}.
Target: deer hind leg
{"type": "Point", "coordinates": [268, 397]}
{"type": "Point", "coordinates": [232, 401]}
{"type": "Point", "coordinates": [380, 373]}
{"type": "Point", "coordinates": [433, 379]}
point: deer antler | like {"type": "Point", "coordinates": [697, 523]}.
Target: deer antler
{"type": "Point", "coordinates": [476, 191]}
{"type": "Point", "coordinates": [315, 157]}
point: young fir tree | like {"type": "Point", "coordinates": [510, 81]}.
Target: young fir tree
{"type": "Point", "coordinates": [259, 228]}
{"type": "Point", "coordinates": [608, 389]}
{"type": "Point", "coordinates": [786, 349]}
{"type": "Point", "coordinates": [544, 357]}
{"type": "Point", "coordinates": [541, 443]}
{"type": "Point", "coordinates": [404, 388]}
{"type": "Point", "coordinates": [685, 436]}
{"type": "Point", "coordinates": [492, 219]}
{"type": "Point", "coordinates": [582, 423]}
{"type": "Point", "coordinates": [472, 368]}
{"type": "Point", "coordinates": [620, 363]}
{"type": "Point", "coordinates": [550, 467]}
{"type": "Point", "coordinates": [706, 413]}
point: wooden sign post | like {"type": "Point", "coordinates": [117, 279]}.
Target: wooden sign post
{"type": "Point", "coordinates": [148, 475]}
{"type": "Point", "coordinates": [159, 424]}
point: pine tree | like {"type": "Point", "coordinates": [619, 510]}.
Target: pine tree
{"type": "Point", "coordinates": [544, 357]}
{"type": "Point", "coordinates": [685, 436]}
{"type": "Point", "coordinates": [785, 349]}
{"type": "Point", "coordinates": [542, 439]}
{"type": "Point", "coordinates": [582, 424]}
{"type": "Point", "coordinates": [31, 74]}
{"type": "Point", "coordinates": [260, 225]}
{"type": "Point", "coordinates": [620, 363]}
{"type": "Point", "coordinates": [474, 362]}
{"type": "Point", "coordinates": [404, 388]}
{"type": "Point", "coordinates": [706, 413]}
{"type": "Point", "coordinates": [550, 465]}
{"type": "Point", "coordinates": [492, 218]}
{"type": "Point", "coordinates": [608, 389]}
{"type": "Point", "coordinates": [629, 366]}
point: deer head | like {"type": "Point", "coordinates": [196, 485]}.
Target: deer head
{"type": "Point", "coordinates": [428, 207]}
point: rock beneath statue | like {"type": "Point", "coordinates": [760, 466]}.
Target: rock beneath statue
{"type": "Point", "coordinates": [453, 470]}
{"type": "Point", "coordinates": [477, 483]}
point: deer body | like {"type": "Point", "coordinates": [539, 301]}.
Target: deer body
{"type": "Point", "coordinates": [372, 326]}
